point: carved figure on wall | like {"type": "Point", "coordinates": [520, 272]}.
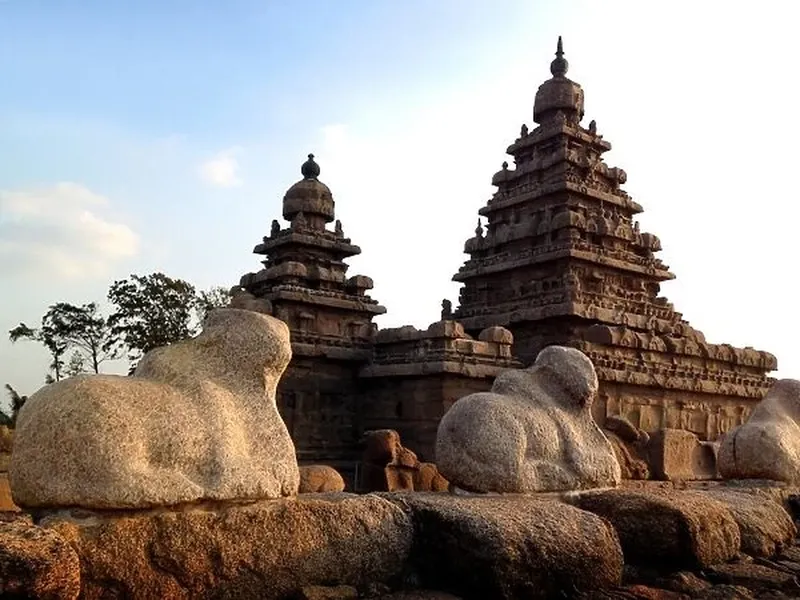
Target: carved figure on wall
{"type": "Point", "coordinates": [544, 224]}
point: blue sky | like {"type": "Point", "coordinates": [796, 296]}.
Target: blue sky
{"type": "Point", "coordinates": [142, 136]}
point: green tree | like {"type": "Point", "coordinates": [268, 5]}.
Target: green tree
{"type": "Point", "coordinates": [151, 311]}
{"type": "Point", "coordinates": [66, 326]}
{"type": "Point", "coordinates": [49, 335]}
{"type": "Point", "coordinates": [10, 420]}
{"type": "Point", "coordinates": [86, 330]}
{"type": "Point", "coordinates": [208, 300]}
{"type": "Point", "coordinates": [76, 364]}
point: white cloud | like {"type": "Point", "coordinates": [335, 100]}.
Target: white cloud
{"type": "Point", "coordinates": [60, 231]}
{"type": "Point", "coordinates": [222, 169]}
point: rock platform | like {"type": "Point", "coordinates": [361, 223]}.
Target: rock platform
{"type": "Point", "coordinates": [663, 541]}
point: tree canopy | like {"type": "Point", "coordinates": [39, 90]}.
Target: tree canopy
{"type": "Point", "coordinates": [151, 311]}
{"type": "Point", "coordinates": [148, 311]}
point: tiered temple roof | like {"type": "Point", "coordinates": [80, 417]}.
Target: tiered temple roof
{"type": "Point", "coordinates": [304, 275]}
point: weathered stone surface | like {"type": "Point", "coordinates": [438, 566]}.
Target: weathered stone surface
{"type": "Point", "coordinates": [632, 466]}
{"type": "Point", "coordinates": [196, 421]}
{"type": "Point", "coordinates": [267, 549]}
{"type": "Point", "coordinates": [533, 432]}
{"type": "Point", "coordinates": [419, 595]}
{"type": "Point", "coordinates": [323, 592]}
{"type": "Point", "coordinates": [319, 479]}
{"type": "Point", "coordinates": [768, 445]}
{"type": "Point", "coordinates": [725, 592]}
{"type": "Point", "coordinates": [764, 525]}
{"type": "Point", "coordinates": [634, 592]}
{"type": "Point", "coordinates": [677, 455]}
{"type": "Point", "coordinates": [509, 547]}
{"type": "Point", "coordinates": [683, 582]}
{"type": "Point", "coordinates": [753, 577]}
{"type": "Point", "coordinates": [36, 563]}
{"type": "Point", "coordinates": [667, 530]}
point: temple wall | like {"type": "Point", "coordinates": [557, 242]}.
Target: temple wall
{"type": "Point", "coordinates": [653, 408]}
{"type": "Point", "coordinates": [318, 400]}
{"type": "Point", "coordinates": [414, 405]}
{"type": "Point", "coordinates": [416, 375]}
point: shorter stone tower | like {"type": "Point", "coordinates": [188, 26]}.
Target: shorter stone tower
{"type": "Point", "coordinates": [329, 316]}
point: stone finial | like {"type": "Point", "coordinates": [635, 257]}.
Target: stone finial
{"type": "Point", "coordinates": [338, 228]}
{"type": "Point", "coordinates": [310, 169]}
{"type": "Point", "coordinates": [479, 229]}
{"type": "Point", "coordinates": [447, 309]}
{"type": "Point", "coordinates": [523, 131]}
{"type": "Point", "coordinates": [560, 65]}
{"type": "Point", "coordinates": [276, 228]}
{"type": "Point", "coordinates": [505, 165]}
{"type": "Point", "coordinates": [593, 127]}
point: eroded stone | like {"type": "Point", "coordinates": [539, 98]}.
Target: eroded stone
{"type": "Point", "coordinates": [268, 549]}
{"type": "Point", "coordinates": [765, 527]}
{"type": "Point", "coordinates": [667, 530]}
{"type": "Point", "coordinates": [509, 547]}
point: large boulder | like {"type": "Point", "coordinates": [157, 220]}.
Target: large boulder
{"type": "Point", "coordinates": [533, 431]}
{"type": "Point", "coordinates": [269, 549]}
{"type": "Point", "coordinates": [197, 420]}
{"type": "Point", "coordinates": [768, 445]}
{"type": "Point", "coordinates": [765, 526]}
{"type": "Point", "coordinates": [662, 529]}
{"type": "Point", "coordinates": [509, 547]}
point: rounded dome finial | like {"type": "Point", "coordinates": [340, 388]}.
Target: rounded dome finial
{"type": "Point", "coordinates": [560, 65]}
{"type": "Point", "coordinates": [310, 169]}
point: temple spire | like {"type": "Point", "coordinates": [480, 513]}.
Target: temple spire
{"type": "Point", "coordinates": [560, 65]}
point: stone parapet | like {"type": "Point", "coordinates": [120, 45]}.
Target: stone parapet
{"type": "Point", "coordinates": [443, 347]}
{"type": "Point", "coordinates": [717, 355]}
{"type": "Point", "coordinates": [624, 356]}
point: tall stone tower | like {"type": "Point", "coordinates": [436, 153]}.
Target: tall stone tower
{"type": "Point", "coordinates": [329, 317]}
{"type": "Point", "coordinates": [562, 261]}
